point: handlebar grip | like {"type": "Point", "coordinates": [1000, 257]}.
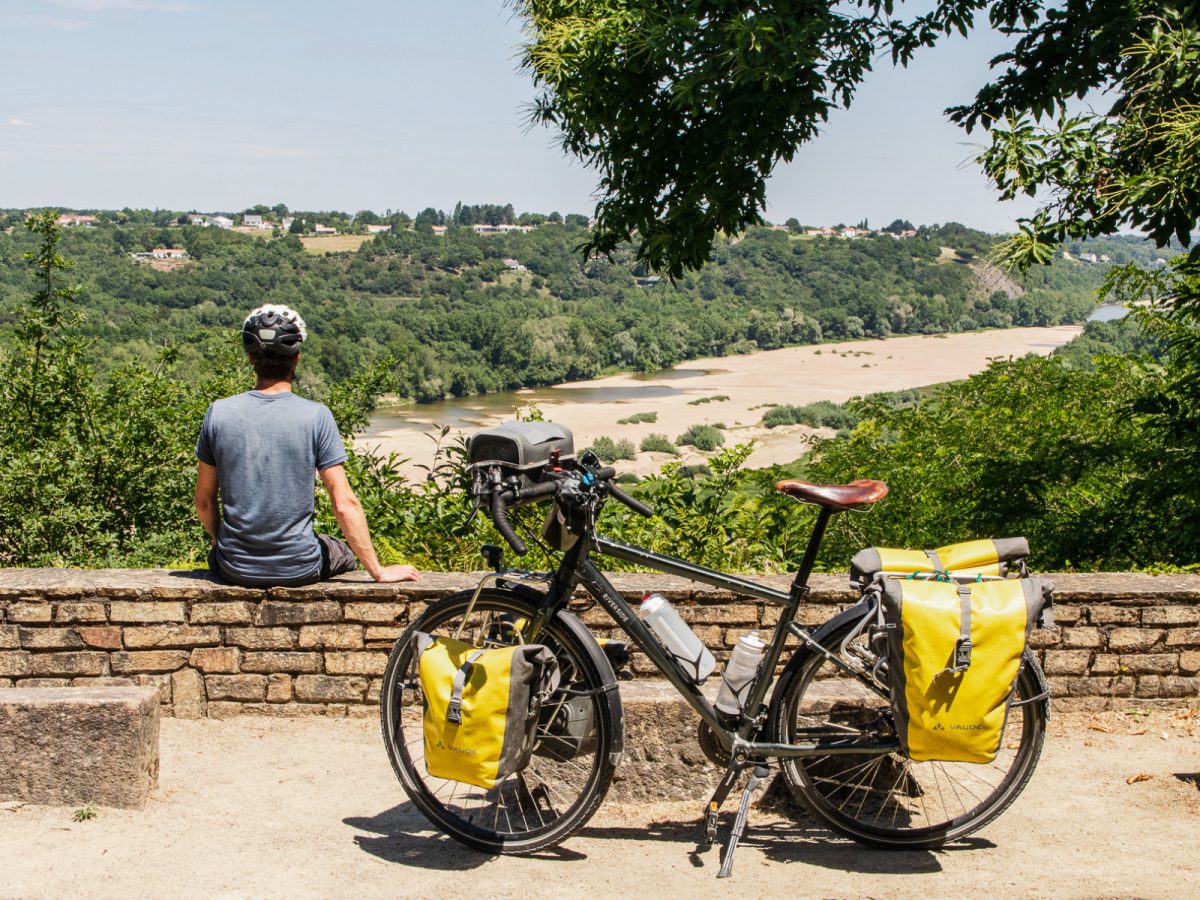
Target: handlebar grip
{"type": "Point", "coordinates": [605, 473]}
{"type": "Point", "coordinates": [636, 505]}
{"type": "Point", "coordinates": [543, 489]}
{"type": "Point", "coordinates": [500, 520]}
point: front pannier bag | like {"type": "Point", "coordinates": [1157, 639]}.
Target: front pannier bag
{"type": "Point", "coordinates": [954, 651]}
{"type": "Point", "coordinates": [481, 706]}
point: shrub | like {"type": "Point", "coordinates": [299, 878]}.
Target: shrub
{"type": "Point", "coordinates": [656, 442]}
{"type": "Point", "coordinates": [627, 478]}
{"type": "Point", "coordinates": [718, 398]}
{"type": "Point", "coordinates": [649, 417]}
{"type": "Point", "coordinates": [611, 451]}
{"type": "Point", "coordinates": [822, 414]}
{"type": "Point", "coordinates": [702, 437]}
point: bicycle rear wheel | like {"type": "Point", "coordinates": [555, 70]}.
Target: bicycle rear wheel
{"type": "Point", "coordinates": [888, 800]}
{"type": "Point", "coordinates": [573, 759]}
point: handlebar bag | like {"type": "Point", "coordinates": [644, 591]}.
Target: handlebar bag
{"type": "Point", "coordinates": [481, 706]}
{"type": "Point", "coordinates": [954, 652]}
{"type": "Point", "coordinates": [969, 558]}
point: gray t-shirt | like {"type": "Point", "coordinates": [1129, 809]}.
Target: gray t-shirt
{"type": "Point", "coordinates": [266, 449]}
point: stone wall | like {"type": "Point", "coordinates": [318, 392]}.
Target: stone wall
{"type": "Point", "coordinates": [214, 650]}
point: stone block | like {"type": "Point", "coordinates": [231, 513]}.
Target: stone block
{"type": "Point", "coordinates": [1066, 613]}
{"type": "Point", "coordinates": [1077, 638]}
{"type": "Point", "coordinates": [1171, 615]}
{"type": "Point", "coordinates": [1120, 686]}
{"type": "Point", "coordinates": [160, 682]}
{"type": "Point", "coordinates": [126, 663]}
{"type": "Point", "coordinates": [166, 636]}
{"type": "Point", "coordinates": [224, 709]}
{"type": "Point", "coordinates": [242, 688]}
{"type": "Point", "coordinates": [1179, 686]}
{"type": "Point", "coordinates": [188, 698]}
{"type": "Point", "coordinates": [10, 638]}
{"type": "Point", "coordinates": [1111, 615]}
{"type": "Point", "coordinates": [103, 681]}
{"type": "Point", "coordinates": [261, 638]}
{"type": "Point", "coordinates": [1067, 662]}
{"type": "Point", "coordinates": [1150, 663]}
{"type": "Point", "coordinates": [236, 613]}
{"type": "Point", "coordinates": [1134, 640]}
{"type": "Point", "coordinates": [1183, 637]}
{"type": "Point", "coordinates": [1106, 664]}
{"type": "Point", "coordinates": [50, 639]}
{"type": "Point", "coordinates": [45, 682]}
{"type": "Point", "coordinates": [145, 611]}
{"type": "Point", "coordinates": [380, 633]}
{"type": "Point", "coordinates": [84, 662]}
{"type": "Point", "coordinates": [361, 662]}
{"type": "Point", "coordinates": [745, 614]}
{"type": "Point", "coordinates": [1189, 662]}
{"type": "Point", "coordinates": [216, 660]}
{"type": "Point", "coordinates": [1041, 638]}
{"type": "Point", "coordinates": [374, 613]}
{"type": "Point", "coordinates": [330, 688]}
{"type": "Point", "coordinates": [289, 612]}
{"type": "Point", "coordinates": [79, 612]}
{"type": "Point", "coordinates": [30, 612]}
{"type": "Point", "coordinates": [67, 746]}
{"type": "Point", "coordinates": [14, 665]}
{"type": "Point", "coordinates": [331, 637]}
{"type": "Point", "coordinates": [279, 688]}
{"type": "Point", "coordinates": [101, 637]}
{"type": "Point", "coordinates": [281, 662]}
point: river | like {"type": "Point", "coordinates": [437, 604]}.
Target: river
{"type": "Point", "coordinates": [692, 392]}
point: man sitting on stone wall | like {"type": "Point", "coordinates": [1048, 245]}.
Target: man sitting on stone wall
{"type": "Point", "coordinates": [258, 451]}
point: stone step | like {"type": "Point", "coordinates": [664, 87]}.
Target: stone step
{"type": "Point", "coordinates": [71, 746]}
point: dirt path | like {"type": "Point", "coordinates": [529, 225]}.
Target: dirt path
{"type": "Point", "coordinates": [270, 808]}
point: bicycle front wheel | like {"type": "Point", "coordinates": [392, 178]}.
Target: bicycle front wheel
{"type": "Point", "coordinates": [888, 800]}
{"type": "Point", "coordinates": [573, 759]}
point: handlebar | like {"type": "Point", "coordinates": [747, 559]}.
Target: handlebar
{"type": "Point", "coordinates": [501, 499]}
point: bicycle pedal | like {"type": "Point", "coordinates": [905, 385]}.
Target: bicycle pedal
{"type": "Point", "coordinates": [710, 827]}
{"type": "Point", "coordinates": [757, 775]}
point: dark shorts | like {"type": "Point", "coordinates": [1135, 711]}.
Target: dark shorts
{"type": "Point", "coordinates": [336, 559]}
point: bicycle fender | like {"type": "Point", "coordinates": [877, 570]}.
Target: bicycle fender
{"type": "Point", "coordinates": [611, 693]}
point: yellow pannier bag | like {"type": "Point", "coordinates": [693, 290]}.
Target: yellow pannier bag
{"type": "Point", "coordinates": [481, 706]}
{"type": "Point", "coordinates": [989, 558]}
{"type": "Point", "coordinates": [954, 651]}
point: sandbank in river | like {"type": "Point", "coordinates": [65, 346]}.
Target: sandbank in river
{"type": "Point", "coordinates": [791, 375]}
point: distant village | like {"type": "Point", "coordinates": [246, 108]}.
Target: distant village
{"type": "Point", "coordinates": [310, 227]}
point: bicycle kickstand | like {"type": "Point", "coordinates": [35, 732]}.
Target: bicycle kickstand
{"type": "Point", "coordinates": [757, 775]}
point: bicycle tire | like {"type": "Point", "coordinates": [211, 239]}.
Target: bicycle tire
{"type": "Point", "coordinates": [853, 794]}
{"type": "Point", "coordinates": [585, 669]}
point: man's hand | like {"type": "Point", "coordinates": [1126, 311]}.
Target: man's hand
{"type": "Point", "coordinates": [390, 574]}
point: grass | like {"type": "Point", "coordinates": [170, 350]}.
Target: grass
{"type": "Point", "coordinates": [719, 398]}
{"type": "Point", "coordinates": [638, 417]}
{"type": "Point", "coordinates": [85, 813]}
{"type": "Point", "coordinates": [658, 443]}
{"type": "Point", "coordinates": [334, 243]}
{"type": "Point", "coordinates": [702, 437]}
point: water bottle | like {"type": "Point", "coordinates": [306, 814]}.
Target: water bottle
{"type": "Point", "coordinates": [680, 641]}
{"type": "Point", "coordinates": [740, 671]}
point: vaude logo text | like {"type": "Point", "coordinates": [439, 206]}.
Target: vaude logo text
{"type": "Point", "coordinates": [465, 751]}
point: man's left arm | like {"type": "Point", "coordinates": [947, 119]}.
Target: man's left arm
{"type": "Point", "coordinates": [207, 511]}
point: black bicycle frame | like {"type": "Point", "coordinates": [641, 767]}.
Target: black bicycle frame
{"type": "Point", "coordinates": [578, 569]}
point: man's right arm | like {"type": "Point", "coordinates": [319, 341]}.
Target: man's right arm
{"type": "Point", "coordinates": [206, 499]}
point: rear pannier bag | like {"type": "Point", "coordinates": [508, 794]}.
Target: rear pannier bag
{"type": "Point", "coordinates": [481, 706]}
{"type": "Point", "coordinates": [954, 651]}
{"type": "Point", "coordinates": [970, 558]}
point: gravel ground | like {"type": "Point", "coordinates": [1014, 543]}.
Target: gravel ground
{"type": "Point", "coordinates": [277, 808]}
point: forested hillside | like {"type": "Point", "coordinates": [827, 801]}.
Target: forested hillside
{"type": "Point", "coordinates": [456, 319]}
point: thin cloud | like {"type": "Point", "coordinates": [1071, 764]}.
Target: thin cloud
{"type": "Point", "coordinates": [102, 6]}
{"type": "Point", "coordinates": [58, 23]}
{"type": "Point", "coordinates": [19, 123]}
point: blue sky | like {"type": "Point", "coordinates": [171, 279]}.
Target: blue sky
{"type": "Point", "coordinates": [221, 104]}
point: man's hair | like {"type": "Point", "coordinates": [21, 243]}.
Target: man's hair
{"type": "Point", "coordinates": [272, 366]}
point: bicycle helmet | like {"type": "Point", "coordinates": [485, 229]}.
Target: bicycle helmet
{"type": "Point", "coordinates": [273, 329]}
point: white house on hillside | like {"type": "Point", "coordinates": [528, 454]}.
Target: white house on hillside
{"type": "Point", "coordinates": [222, 222]}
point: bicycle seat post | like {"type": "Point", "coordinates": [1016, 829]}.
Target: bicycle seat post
{"type": "Point", "coordinates": [800, 583]}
